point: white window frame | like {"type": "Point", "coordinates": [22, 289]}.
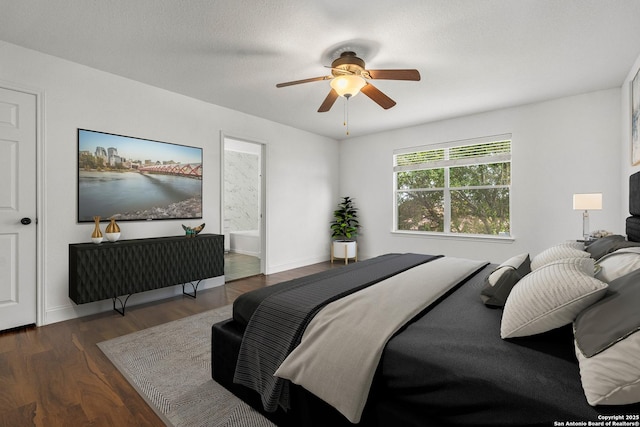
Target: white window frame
{"type": "Point", "coordinates": [446, 164]}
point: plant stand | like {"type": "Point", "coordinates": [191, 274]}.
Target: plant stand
{"type": "Point", "coordinates": [344, 250]}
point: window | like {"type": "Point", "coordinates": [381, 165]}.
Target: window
{"type": "Point", "coordinates": [462, 187]}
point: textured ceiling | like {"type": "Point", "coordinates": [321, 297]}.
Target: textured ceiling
{"type": "Point", "coordinates": [473, 55]}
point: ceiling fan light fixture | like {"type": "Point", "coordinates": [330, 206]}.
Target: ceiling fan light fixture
{"type": "Point", "coordinates": [348, 85]}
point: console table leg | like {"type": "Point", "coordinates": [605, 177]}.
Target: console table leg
{"type": "Point", "coordinates": [194, 287]}
{"type": "Point", "coordinates": [122, 304]}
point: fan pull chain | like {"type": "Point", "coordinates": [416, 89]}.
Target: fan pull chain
{"type": "Point", "coordinates": [346, 114]}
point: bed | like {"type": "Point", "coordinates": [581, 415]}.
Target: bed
{"type": "Point", "coordinates": [492, 347]}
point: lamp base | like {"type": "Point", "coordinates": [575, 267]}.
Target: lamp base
{"type": "Point", "coordinates": [585, 225]}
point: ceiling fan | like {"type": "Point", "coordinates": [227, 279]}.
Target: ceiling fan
{"type": "Point", "coordinates": [349, 76]}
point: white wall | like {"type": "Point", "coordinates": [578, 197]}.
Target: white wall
{"type": "Point", "coordinates": [560, 147]}
{"type": "Point", "coordinates": [76, 96]}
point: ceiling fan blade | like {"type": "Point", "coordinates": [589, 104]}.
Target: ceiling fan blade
{"type": "Point", "coordinates": [377, 96]}
{"type": "Point", "coordinates": [297, 82]}
{"type": "Point", "coordinates": [395, 74]}
{"type": "Point", "coordinates": [328, 101]}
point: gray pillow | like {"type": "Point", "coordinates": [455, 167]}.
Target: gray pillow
{"type": "Point", "coordinates": [611, 319]}
{"type": "Point", "coordinates": [603, 246]}
{"type": "Point", "coordinates": [499, 283]}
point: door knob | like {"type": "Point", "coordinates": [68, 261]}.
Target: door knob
{"type": "Point", "coordinates": [25, 221]}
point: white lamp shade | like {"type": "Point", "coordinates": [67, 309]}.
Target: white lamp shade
{"type": "Point", "coordinates": [348, 85]}
{"type": "Point", "coordinates": [587, 201]}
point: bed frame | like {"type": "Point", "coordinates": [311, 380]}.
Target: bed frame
{"type": "Point", "coordinates": [633, 222]}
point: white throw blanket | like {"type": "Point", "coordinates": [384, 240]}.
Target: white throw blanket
{"type": "Point", "coordinates": [341, 348]}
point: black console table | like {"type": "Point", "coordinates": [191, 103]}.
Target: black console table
{"type": "Point", "coordinates": [112, 270]}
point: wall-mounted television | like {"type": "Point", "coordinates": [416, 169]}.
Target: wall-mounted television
{"type": "Point", "coordinates": [135, 179]}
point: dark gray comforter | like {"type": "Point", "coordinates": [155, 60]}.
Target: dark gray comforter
{"type": "Point", "coordinates": [451, 368]}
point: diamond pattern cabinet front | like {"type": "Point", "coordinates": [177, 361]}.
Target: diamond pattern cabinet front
{"type": "Point", "coordinates": [109, 270]}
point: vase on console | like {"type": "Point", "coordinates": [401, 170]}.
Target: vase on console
{"type": "Point", "coordinates": [96, 236]}
{"type": "Point", "coordinates": [112, 232]}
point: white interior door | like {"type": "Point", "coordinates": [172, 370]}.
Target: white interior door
{"type": "Point", "coordinates": [17, 209]}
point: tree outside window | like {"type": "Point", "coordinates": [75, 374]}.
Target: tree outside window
{"type": "Point", "coordinates": [458, 189]}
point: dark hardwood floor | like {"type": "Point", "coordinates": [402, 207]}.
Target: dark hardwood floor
{"type": "Point", "coordinates": [55, 375]}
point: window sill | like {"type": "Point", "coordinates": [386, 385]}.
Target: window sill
{"type": "Point", "coordinates": [472, 237]}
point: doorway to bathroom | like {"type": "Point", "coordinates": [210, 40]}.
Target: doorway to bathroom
{"type": "Point", "coordinates": [243, 207]}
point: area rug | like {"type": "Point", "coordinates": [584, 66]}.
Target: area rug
{"type": "Point", "coordinates": [170, 366]}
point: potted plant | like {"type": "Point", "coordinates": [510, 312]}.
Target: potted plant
{"type": "Point", "coordinates": [344, 229]}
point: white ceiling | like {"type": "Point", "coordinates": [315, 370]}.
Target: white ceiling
{"type": "Point", "coordinates": [473, 55]}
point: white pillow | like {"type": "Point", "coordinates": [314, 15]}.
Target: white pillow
{"type": "Point", "coordinates": [555, 253]}
{"type": "Point", "coordinates": [550, 297]}
{"type": "Point", "coordinates": [607, 343]}
{"type": "Point", "coordinates": [612, 377]}
{"type": "Point", "coordinates": [573, 244]}
{"type": "Point", "coordinates": [618, 263]}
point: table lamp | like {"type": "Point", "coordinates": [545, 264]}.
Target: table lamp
{"type": "Point", "coordinates": [586, 202]}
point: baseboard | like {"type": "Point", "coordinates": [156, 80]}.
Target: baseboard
{"type": "Point", "coordinates": [73, 311]}
{"type": "Point", "coordinates": [296, 264]}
